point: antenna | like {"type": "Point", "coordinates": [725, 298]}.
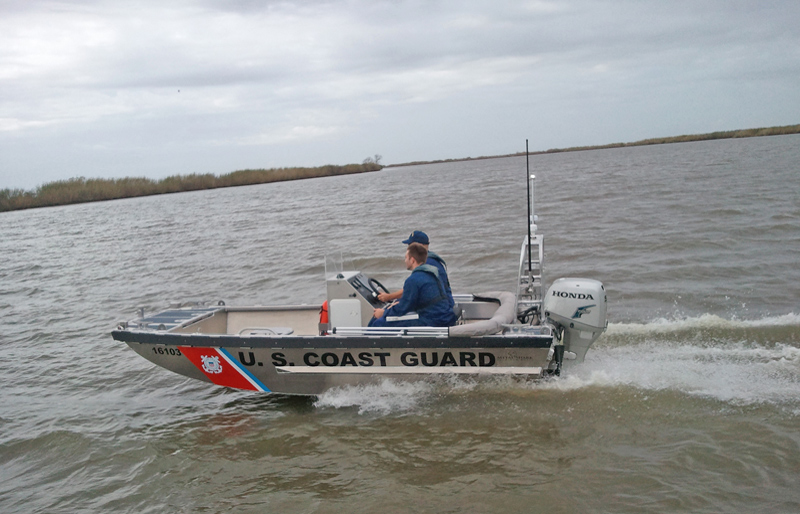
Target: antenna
{"type": "Point", "coordinates": [530, 202]}
{"type": "Point", "coordinates": [529, 283]}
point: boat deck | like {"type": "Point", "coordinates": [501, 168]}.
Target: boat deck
{"type": "Point", "coordinates": [172, 318]}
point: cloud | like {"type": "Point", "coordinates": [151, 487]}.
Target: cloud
{"type": "Point", "coordinates": [348, 76]}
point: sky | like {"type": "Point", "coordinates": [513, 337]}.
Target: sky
{"type": "Point", "coordinates": [119, 88]}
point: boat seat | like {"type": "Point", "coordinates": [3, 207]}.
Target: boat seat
{"type": "Point", "coordinates": [266, 331]}
{"type": "Point", "coordinates": [503, 315]}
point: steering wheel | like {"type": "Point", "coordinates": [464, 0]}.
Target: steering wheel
{"type": "Point", "coordinates": [374, 285]}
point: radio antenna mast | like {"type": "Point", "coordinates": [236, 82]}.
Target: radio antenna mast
{"type": "Point", "coordinates": [529, 282]}
{"type": "Point", "coordinates": [530, 203]}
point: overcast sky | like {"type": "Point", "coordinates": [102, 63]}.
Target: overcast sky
{"type": "Point", "coordinates": [115, 88]}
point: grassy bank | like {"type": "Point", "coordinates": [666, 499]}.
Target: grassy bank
{"type": "Point", "coordinates": [755, 132]}
{"type": "Point", "coordinates": [730, 134]}
{"type": "Point", "coordinates": [80, 190]}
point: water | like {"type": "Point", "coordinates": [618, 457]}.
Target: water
{"type": "Point", "coordinates": [689, 403]}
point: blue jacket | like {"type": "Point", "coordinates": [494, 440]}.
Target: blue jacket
{"type": "Point", "coordinates": [424, 294]}
{"type": "Point", "coordinates": [441, 267]}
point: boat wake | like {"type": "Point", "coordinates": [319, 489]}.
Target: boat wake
{"type": "Point", "coordinates": [737, 362]}
{"type": "Point", "coordinates": [388, 397]}
{"type": "Point", "coordinates": [705, 324]}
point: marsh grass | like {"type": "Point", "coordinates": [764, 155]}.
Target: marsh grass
{"type": "Point", "coordinates": [80, 190]}
{"type": "Point", "coordinates": [756, 132]}
{"type": "Point", "coordinates": [729, 134]}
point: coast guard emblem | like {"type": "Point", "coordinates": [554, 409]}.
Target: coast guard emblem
{"type": "Point", "coordinates": [211, 364]}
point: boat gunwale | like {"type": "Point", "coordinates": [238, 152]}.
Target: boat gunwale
{"type": "Point", "coordinates": [333, 341]}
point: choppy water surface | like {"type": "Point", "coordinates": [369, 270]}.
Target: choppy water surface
{"type": "Point", "coordinates": [689, 403]}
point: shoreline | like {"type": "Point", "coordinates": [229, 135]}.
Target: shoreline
{"type": "Point", "coordinates": [82, 190]}
{"type": "Point", "coordinates": [690, 138]}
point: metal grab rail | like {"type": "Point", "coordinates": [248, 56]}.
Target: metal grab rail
{"type": "Point", "coordinates": [529, 279]}
{"type": "Point", "coordinates": [390, 331]}
{"type": "Point", "coordinates": [275, 331]}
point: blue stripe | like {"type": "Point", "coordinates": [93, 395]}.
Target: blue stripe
{"type": "Point", "coordinates": [244, 371]}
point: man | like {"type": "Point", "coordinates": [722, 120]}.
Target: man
{"type": "Point", "coordinates": [424, 302]}
{"type": "Point", "coordinates": [434, 260]}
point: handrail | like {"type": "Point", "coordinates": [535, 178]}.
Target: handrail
{"type": "Point", "coordinates": [390, 331]}
{"type": "Point", "coordinates": [275, 331]}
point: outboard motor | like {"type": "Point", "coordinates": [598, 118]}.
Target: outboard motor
{"type": "Point", "coordinates": [578, 307]}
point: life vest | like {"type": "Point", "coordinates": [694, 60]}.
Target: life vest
{"type": "Point", "coordinates": [323, 312]}
{"type": "Point", "coordinates": [438, 259]}
{"type": "Point", "coordinates": [431, 270]}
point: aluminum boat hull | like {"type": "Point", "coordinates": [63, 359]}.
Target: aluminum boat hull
{"type": "Point", "coordinates": [311, 364]}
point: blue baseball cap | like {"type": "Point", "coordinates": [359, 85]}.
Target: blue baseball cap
{"type": "Point", "coordinates": [417, 237]}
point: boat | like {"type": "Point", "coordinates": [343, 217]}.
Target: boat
{"type": "Point", "coordinates": [309, 349]}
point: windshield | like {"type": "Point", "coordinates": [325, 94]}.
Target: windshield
{"type": "Point", "coordinates": [337, 262]}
